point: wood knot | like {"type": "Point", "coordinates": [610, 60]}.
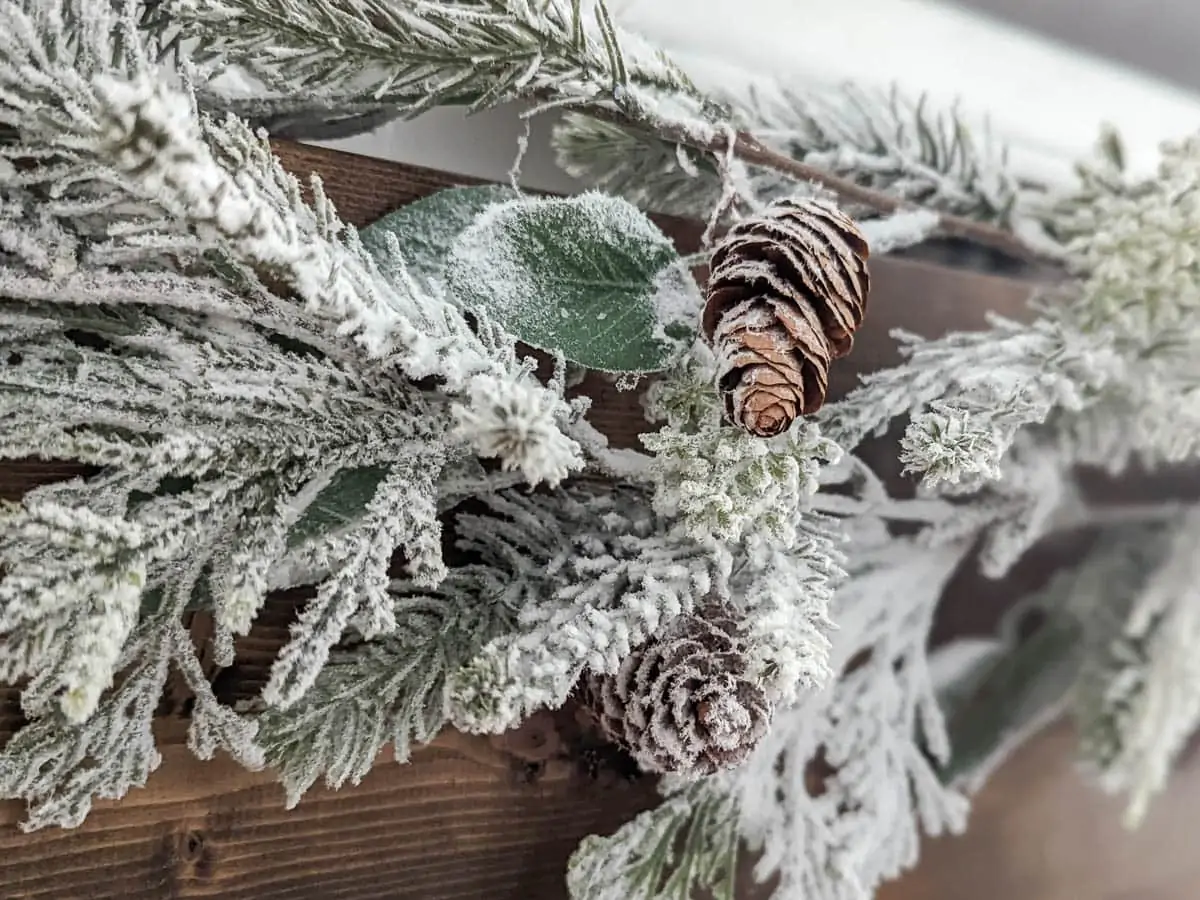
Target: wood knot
{"type": "Point", "coordinates": [195, 853]}
{"type": "Point", "coordinates": [192, 846]}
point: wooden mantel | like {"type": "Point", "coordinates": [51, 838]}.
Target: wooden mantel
{"type": "Point", "coordinates": [470, 818]}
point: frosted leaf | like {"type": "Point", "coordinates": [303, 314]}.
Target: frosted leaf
{"type": "Point", "coordinates": [340, 503]}
{"type": "Point", "coordinates": [426, 229]}
{"type": "Point", "coordinates": [1021, 686]}
{"type": "Point", "coordinates": [589, 276]}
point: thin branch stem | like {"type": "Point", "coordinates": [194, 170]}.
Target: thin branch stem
{"type": "Point", "coordinates": [751, 150]}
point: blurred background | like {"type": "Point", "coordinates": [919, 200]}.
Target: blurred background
{"type": "Point", "coordinates": [1044, 73]}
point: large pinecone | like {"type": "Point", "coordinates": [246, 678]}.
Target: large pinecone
{"type": "Point", "coordinates": [682, 702]}
{"type": "Point", "coordinates": [786, 292]}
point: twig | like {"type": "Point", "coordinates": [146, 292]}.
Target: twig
{"type": "Point", "coordinates": [749, 149]}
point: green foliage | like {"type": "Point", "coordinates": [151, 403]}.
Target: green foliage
{"type": "Point", "coordinates": [588, 276]}
{"type": "Point", "coordinates": [1137, 701]}
{"type": "Point", "coordinates": [688, 844]}
{"type": "Point", "coordinates": [634, 163]}
{"type": "Point", "coordinates": [425, 230]}
{"type": "Point", "coordinates": [414, 57]}
{"type": "Point", "coordinates": [389, 690]}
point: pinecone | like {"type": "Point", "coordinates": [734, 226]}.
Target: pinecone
{"type": "Point", "coordinates": [682, 702]}
{"type": "Point", "coordinates": [786, 292]}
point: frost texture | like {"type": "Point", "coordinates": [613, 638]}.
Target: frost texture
{"type": "Point", "coordinates": [720, 482]}
{"type": "Point", "coordinates": [1104, 373]}
{"type": "Point", "coordinates": [1138, 700]}
{"type": "Point", "coordinates": [589, 277]}
{"type": "Point", "coordinates": [367, 55]}
{"type": "Point", "coordinates": [393, 690]}
{"type": "Point", "coordinates": [261, 404]}
{"type": "Point", "coordinates": [880, 140]}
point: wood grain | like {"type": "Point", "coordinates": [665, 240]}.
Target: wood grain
{"type": "Point", "coordinates": [466, 819]}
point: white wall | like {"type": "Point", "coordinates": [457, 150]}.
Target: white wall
{"type": "Point", "coordinates": [1156, 36]}
{"type": "Point", "coordinates": [1046, 99]}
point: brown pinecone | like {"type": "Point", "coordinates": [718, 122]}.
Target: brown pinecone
{"type": "Point", "coordinates": [786, 292]}
{"type": "Point", "coordinates": [682, 702]}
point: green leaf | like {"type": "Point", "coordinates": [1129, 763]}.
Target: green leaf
{"type": "Point", "coordinates": [339, 503]}
{"type": "Point", "coordinates": [588, 276]}
{"type": "Point", "coordinates": [427, 228]}
{"type": "Point", "coordinates": [1015, 693]}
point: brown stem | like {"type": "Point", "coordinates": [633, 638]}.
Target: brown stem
{"type": "Point", "coordinates": [749, 149]}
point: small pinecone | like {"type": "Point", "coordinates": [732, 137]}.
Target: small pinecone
{"type": "Point", "coordinates": [786, 292]}
{"type": "Point", "coordinates": [682, 702]}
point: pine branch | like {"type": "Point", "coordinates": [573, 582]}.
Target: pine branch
{"type": "Point", "coordinates": [358, 560]}
{"type": "Point", "coordinates": [59, 768]}
{"type": "Point", "coordinates": [880, 141]}
{"type": "Point", "coordinates": [597, 573]}
{"type": "Point", "coordinates": [688, 843]}
{"type": "Point", "coordinates": [746, 147]}
{"type": "Point", "coordinates": [1105, 375]}
{"type": "Point", "coordinates": [415, 56]}
{"type": "Point", "coordinates": [1138, 698]}
{"type": "Point", "coordinates": [390, 690]}
{"type": "Point", "coordinates": [835, 798]}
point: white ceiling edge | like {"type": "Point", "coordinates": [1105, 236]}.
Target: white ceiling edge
{"type": "Point", "coordinates": [1047, 100]}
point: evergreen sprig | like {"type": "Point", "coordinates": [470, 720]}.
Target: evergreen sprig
{"type": "Point", "coordinates": [688, 843]}
{"type": "Point", "coordinates": [391, 690]}
{"type": "Point", "coordinates": [882, 141]}
{"type": "Point", "coordinates": [416, 55]}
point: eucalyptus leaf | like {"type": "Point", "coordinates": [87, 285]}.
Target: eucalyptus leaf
{"type": "Point", "coordinates": [426, 229]}
{"type": "Point", "coordinates": [342, 501]}
{"type": "Point", "coordinates": [589, 276]}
